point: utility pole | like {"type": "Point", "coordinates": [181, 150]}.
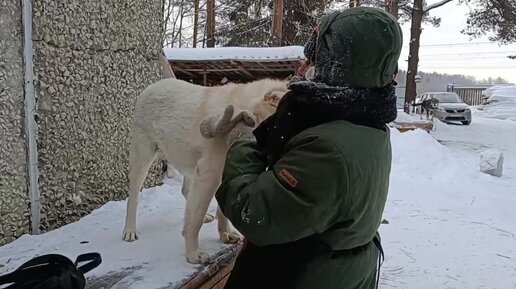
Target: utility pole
{"type": "Point", "coordinates": [210, 23]}
{"type": "Point", "coordinates": [277, 23]}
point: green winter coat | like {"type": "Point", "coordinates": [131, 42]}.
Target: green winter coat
{"type": "Point", "coordinates": [331, 184]}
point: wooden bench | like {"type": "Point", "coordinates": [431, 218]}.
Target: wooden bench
{"type": "Point", "coordinates": [215, 274]}
{"type": "Point", "coordinates": [408, 126]}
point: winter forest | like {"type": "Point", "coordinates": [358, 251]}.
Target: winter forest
{"type": "Point", "coordinates": [250, 24]}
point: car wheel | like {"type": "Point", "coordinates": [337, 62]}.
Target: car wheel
{"type": "Point", "coordinates": [467, 122]}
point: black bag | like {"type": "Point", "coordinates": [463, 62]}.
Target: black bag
{"type": "Point", "coordinates": [51, 271]}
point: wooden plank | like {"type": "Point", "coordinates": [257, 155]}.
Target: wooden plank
{"type": "Point", "coordinates": [220, 264]}
{"type": "Point", "coordinates": [220, 277]}
{"type": "Point", "coordinates": [242, 68]}
{"type": "Point", "coordinates": [181, 70]}
{"type": "Point", "coordinates": [212, 69]}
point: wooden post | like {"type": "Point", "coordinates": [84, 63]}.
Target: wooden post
{"type": "Point", "coordinates": [210, 23]}
{"type": "Point", "coordinates": [277, 23]}
{"type": "Point", "coordinates": [196, 22]}
{"type": "Point", "coordinates": [205, 77]}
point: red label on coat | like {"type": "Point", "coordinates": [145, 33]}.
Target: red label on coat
{"type": "Point", "coordinates": [288, 177]}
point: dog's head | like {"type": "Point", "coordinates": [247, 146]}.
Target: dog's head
{"type": "Point", "coordinates": [268, 105]}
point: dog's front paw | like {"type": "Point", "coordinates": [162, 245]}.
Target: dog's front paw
{"type": "Point", "coordinates": [130, 235]}
{"type": "Point", "coordinates": [197, 257]}
{"type": "Point", "coordinates": [209, 218]}
{"type": "Point", "coordinates": [231, 237]}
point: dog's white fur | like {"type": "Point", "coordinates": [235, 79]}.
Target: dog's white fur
{"type": "Point", "coordinates": [167, 117]}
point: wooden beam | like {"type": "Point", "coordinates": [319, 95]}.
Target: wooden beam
{"type": "Point", "coordinates": [205, 77]}
{"type": "Point", "coordinates": [181, 70]}
{"type": "Point", "coordinates": [242, 68]}
{"type": "Point", "coordinates": [202, 70]}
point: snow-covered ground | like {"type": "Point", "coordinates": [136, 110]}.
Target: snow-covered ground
{"type": "Point", "coordinates": [156, 260]}
{"type": "Point", "coordinates": [450, 225]}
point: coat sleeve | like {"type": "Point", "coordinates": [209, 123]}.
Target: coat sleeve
{"type": "Point", "coordinates": [292, 200]}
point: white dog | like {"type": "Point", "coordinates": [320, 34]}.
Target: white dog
{"type": "Point", "coordinates": [167, 117]}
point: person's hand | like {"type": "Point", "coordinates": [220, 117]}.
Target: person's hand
{"type": "Point", "coordinates": [239, 127]}
{"type": "Point", "coordinates": [241, 131]}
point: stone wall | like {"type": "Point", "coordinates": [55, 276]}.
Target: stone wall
{"type": "Point", "coordinates": [14, 203]}
{"type": "Point", "coordinates": [92, 58]}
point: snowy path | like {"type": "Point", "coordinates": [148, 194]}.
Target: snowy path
{"type": "Point", "coordinates": [451, 226]}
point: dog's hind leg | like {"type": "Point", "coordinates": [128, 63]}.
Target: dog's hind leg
{"type": "Point", "coordinates": [187, 183]}
{"type": "Point", "coordinates": [204, 184]}
{"type": "Point", "coordinates": [226, 234]}
{"type": "Point", "coordinates": [141, 155]}
{"type": "Point", "coordinates": [185, 188]}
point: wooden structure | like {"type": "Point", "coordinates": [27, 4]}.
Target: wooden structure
{"type": "Point", "coordinates": [472, 95]}
{"type": "Point", "coordinates": [215, 66]}
{"type": "Point", "coordinates": [214, 275]}
{"type": "Point", "coordinates": [408, 126]}
{"type": "Point", "coordinates": [407, 122]}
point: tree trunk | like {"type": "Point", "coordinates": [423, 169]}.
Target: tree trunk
{"type": "Point", "coordinates": [181, 17]}
{"type": "Point", "coordinates": [277, 23]}
{"type": "Point", "coordinates": [196, 22]}
{"type": "Point", "coordinates": [393, 7]}
{"type": "Point", "coordinates": [354, 3]}
{"type": "Point", "coordinates": [210, 23]}
{"type": "Point", "coordinates": [322, 5]}
{"type": "Point", "coordinates": [413, 59]}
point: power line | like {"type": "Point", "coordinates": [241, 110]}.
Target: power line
{"type": "Point", "coordinates": [502, 57]}
{"type": "Point", "coordinates": [469, 53]}
{"type": "Point", "coordinates": [466, 67]}
{"type": "Point", "coordinates": [454, 44]}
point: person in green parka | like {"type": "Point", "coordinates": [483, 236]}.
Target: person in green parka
{"type": "Point", "coordinates": [308, 186]}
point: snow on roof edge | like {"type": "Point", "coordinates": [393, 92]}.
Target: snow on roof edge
{"type": "Point", "coordinates": [235, 53]}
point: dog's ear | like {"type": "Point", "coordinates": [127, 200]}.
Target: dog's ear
{"type": "Point", "coordinates": [271, 98]}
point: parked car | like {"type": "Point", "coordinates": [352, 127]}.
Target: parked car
{"type": "Point", "coordinates": [498, 93]}
{"type": "Point", "coordinates": [450, 108]}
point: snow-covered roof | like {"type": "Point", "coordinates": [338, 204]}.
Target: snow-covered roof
{"type": "Point", "coordinates": [247, 54]}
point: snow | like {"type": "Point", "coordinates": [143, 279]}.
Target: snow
{"type": "Point", "coordinates": [491, 162]}
{"type": "Point", "coordinates": [155, 260]}
{"type": "Point", "coordinates": [498, 93]}
{"type": "Point", "coordinates": [501, 101]}
{"type": "Point", "coordinates": [236, 53]}
{"type": "Point", "coordinates": [450, 226]}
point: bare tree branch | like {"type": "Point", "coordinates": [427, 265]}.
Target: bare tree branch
{"type": "Point", "coordinates": [436, 5]}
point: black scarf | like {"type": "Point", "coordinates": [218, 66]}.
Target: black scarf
{"type": "Point", "coordinates": [309, 104]}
